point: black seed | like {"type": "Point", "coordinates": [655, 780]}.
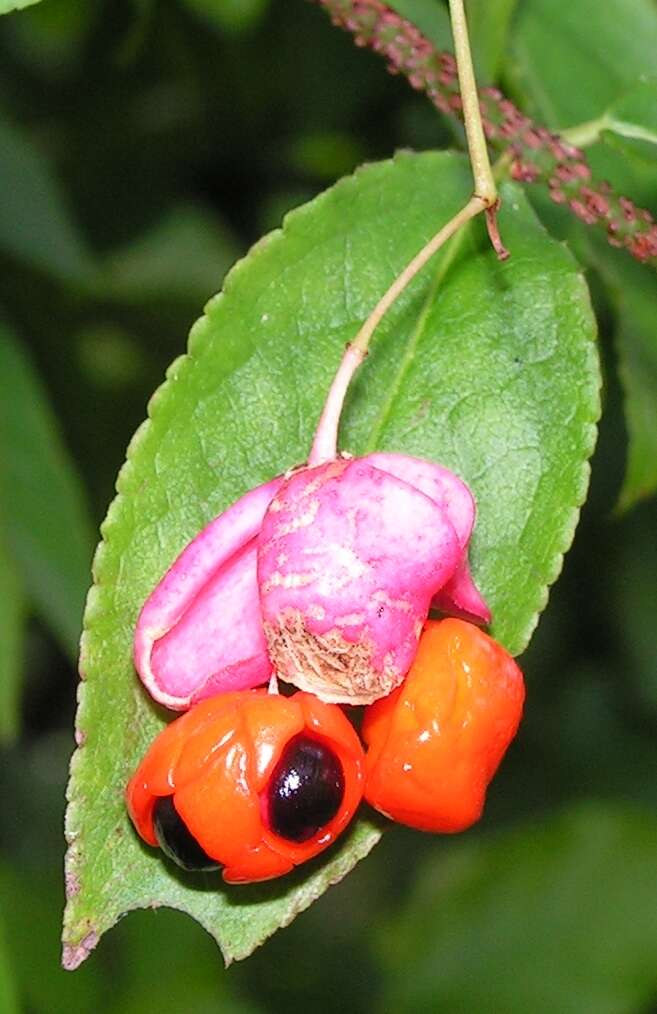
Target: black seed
{"type": "Point", "coordinates": [176, 840]}
{"type": "Point", "coordinates": [306, 789]}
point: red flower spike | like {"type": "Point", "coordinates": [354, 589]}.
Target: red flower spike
{"type": "Point", "coordinates": [436, 742]}
{"type": "Point", "coordinates": [250, 781]}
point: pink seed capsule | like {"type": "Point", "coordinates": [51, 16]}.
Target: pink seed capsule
{"type": "Point", "coordinates": [350, 555]}
{"type": "Point", "coordinates": [328, 574]}
{"type": "Point", "coordinates": [459, 596]}
{"type": "Point", "coordinates": [200, 631]}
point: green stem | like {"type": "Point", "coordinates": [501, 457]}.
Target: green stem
{"type": "Point", "coordinates": [484, 184]}
{"type": "Point", "coordinates": [485, 199]}
{"type": "Point", "coordinates": [324, 446]}
{"type": "Point", "coordinates": [536, 154]}
{"type": "Point", "coordinates": [446, 261]}
{"type": "Point", "coordinates": [584, 134]}
{"type": "Point", "coordinates": [475, 205]}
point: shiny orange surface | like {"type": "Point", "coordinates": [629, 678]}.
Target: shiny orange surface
{"type": "Point", "coordinates": [436, 742]}
{"type": "Point", "coordinates": [216, 761]}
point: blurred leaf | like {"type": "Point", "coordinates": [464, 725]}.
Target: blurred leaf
{"type": "Point", "coordinates": [325, 155]}
{"type": "Point", "coordinates": [8, 993]}
{"type": "Point", "coordinates": [15, 5]}
{"type": "Point", "coordinates": [49, 37]}
{"type": "Point", "coordinates": [278, 203]}
{"type": "Point", "coordinates": [42, 507]}
{"type": "Point", "coordinates": [569, 62]}
{"type": "Point", "coordinates": [242, 406]}
{"type": "Point", "coordinates": [635, 607]}
{"type": "Point", "coordinates": [558, 917]}
{"type": "Point", "coordinates": [185, 256]}
{"type": "Point", "coordinates": [633, 289]}
{"type": "Point", "coordinates": [489, 22]}
{"type": "Point", "coordinates": [35, 226]}
{"type": "Point", "coordinates": [110, 357]}
{"type": "Point", "coordinates": [31, 903]}
{"type": "Point", "coordinates": [229, 15]}
{"type": "Point", "coordinates": [631, 123]}
{"type": "Point", "coordinates": [637, 150]}
{"type": "Point", "coordinates": [637, 354]}
{"type": "Point", "coordinates": [429, 16]}
{"type": "Point", "coordinates": [33, 775]}
{"type": "Point", "coordinates": [150, 943]}
{"type": "Point", "coordinates": [12, 617]}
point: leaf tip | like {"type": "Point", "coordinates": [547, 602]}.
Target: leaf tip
{"type": "Point", "coordinates": [74, 954]}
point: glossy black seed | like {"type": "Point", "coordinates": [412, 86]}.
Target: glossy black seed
{"type": "Point", "coordinates": [306, 789]}
{"type": "Point", "coordinates": [176, 840]}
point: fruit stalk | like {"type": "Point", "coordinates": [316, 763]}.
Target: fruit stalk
{"type": "Point", "coordinates": [535, 153]}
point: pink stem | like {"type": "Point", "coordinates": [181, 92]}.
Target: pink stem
{"type": "Point", "coordinates": [325, 444]}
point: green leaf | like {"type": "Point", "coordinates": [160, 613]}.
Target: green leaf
{"type": "Point", "coordinates": [488, 367]}
{"type": "Point", "coordinates": [430, 17]}
{"type": "Point", "coordinates": [8, 992]}
{"type": "Point", "coordinates": [12, 616]}
{"type": "Point", "coordinates": [634, 610]}
{"type": "Point", "coordinates": [506, 924]}
{"type": "Point", "coordinates": [15, 5]}
{"type": "Point", "coordinates": [569, 62]}
{"type": "Point", "coordinates": [230, 15]}
{"type": "Point", "coordinates": [35, 225]}
{"type": "Point", "coordinates": [633, 289]}
{"type": "Point", "coordinates": [49, 39]}
{"type": "Point", "coordinates": [631, 123]}
{"type": "Point", "coordinates": [489, 22]}
{"type": "Point", "coordinates": [637, 365]}
{"type": "Point", "coordinates": [31, 900]}
{"type": "Point", "coordinates": [42, 508]}
{"type": "Point", "coordinates": [184, 256]}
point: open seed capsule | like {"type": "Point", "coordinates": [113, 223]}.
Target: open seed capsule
{"type": "Point", "coordinates": [252, 782]}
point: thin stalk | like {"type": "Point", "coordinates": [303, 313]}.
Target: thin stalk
{"type": "Point", "coordinates": [484, 182]}
{"type": "Point", "coordinates": [485, 199]}
{"type": "Point", "coordinates": [475, 205]}
{"type": "Point", "coordinates": [584, 134]}
{"type": "Point", "coordinates": [325, 444]}
{"type": "Point", "coordinates": [535, 154]}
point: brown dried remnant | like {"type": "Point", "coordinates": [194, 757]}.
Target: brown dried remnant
{"type": "Point", "coordinates": [327, 665]}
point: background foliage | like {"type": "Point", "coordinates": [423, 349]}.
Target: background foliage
{"type": "Point", "coordinates": [143, 147]}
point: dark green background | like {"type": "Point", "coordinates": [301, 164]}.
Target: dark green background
{"type": "Point", "coordinates": [133, 136]}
